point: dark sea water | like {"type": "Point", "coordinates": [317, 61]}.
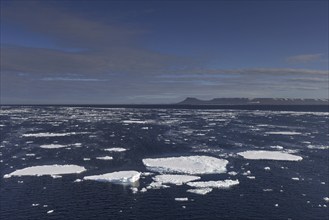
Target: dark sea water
{"type": "Point", "coordinates": [152, 133]}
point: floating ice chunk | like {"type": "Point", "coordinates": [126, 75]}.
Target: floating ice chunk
{"type": "Point", "coordinates": [134, 190]}
{"type": "Point", "coordinates": [326, 199]}
{"type": "Point", "coordinates": [295, 178]}
{"type": "Point", "coordinates": [251, 177]}
{"type": "Point", "coordinates": [267, 190]}
{"type": "Point", "coordinates": [77, 180]}
{"type": "Point", "coordinates": [134, 122]}
{"type": "Point", "coordinates": [232, 173]}
{"type": "Point", "coordinates": [56, 176]}
{"type": "Point", "coordinates": [283, 132]}
{"type": "Point", "coordinates": [276, 205]}
{"type": "Point", "coordinates": [46, 170]}
{"type": "Point", "coordinates": [143, 190]}
{"type": "Point", "coordinates": [116, 149]}
{"type": "Point", "coordinates": [147, 174]}
{"type": "Point", "coordinates": [181, 199]}
{"type": "Point", "coordinates": [52, 146]}
{"type": "Point", "coordinates": [269, 155]}
{"type": "Point", "coordinates": [30, 155]}
{"type": "Point", "coordinates": [156, 185]}
{"type": "Point", "coordinates": [35, 204]}
{"type": "Point", "coordinates": [318, 147]}
{"type": "Point", "coordinates": [175, 179]}
{"type": "Point", "coordinates": [105, 158]}
{"type": "Point", "coordinates": [120, 177]}
{"type": "Point", "coordinates": [188, 165]}
{"type": "Point", "coordinates": [50, 211]}
{"type": "Point", "coordinates": [48, 134]}
{"type": "Point", "coordinates": [214, 184]}
{"type": "Point", "coordinates": [267, 168]}
{"type": "Point", "coordinates": [85, 159]}
{"type": "Point", "coordinates": [201, 191]}
{"type": "Point", "coordinates": [277, 147]}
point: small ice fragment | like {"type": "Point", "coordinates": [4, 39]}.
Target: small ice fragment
{"type": "Point", "coordinates": [52, 146]}
{"type": "Point", "coordinates": [105, 158]}
{"type": "Point", "coordinates": [214, 184]}
{"type": "Point", "coordinates": [143, 190]}
{"type": "Point", "coordinates": [134, 190]}
{"type": "Point", "coordinates": [251, 177]}
{"type": "Point", "coordinates": [50, 211]}
{"type": "Point", "coordinates": [201, 191]}
{"type": "Point", "coordinates": [295, 178]}
{"type": "Point", "coordinates": [267, 168]}
{"type": "Point", "coordinates": [116, 149]}
{"type": "Point", "coordinates": [276, 205]}
{"type": "Point", "coordinates": [77, 181]}
{"type": "Point", "coordinates": [175, 179]}
{"type": "Point", "coordinates": [232, 173]}
{"type": "Point", "coordinates": [181, 199]}
{"type": "Point", "coordinates": [35, 204]}
{"type": "Point", "coordinates": [85, 159]}
{"type": "Point", "coordinates": [326, 199]}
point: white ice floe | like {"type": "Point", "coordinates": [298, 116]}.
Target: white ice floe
{"type": "Point", "coordinates": [267, 168]}
{"type": "Point", "coordinates": [52, 146]}
{"type": "Point", "coordinates": [175, 179]}
{"type": "Point", "coordinates": [56, 176]}
{"type": "Point", "coordinates": [50, 211]}
{"type": "Point", "coordinates": [214, 184]}
{"type": "Point", "coordinates": [116, 149]}
{"type": "Point", "coordinates": [201, 191]}
{"type": "Point", "coordinates": [283, 132]}
{"type": "Point", "coordinates": [46, 170]}
{"type": "Point", "coordinates": [188, 165]}
{"type": "Point", "coordinates": [105, 158]}
{"type": "Point", "coordinates": [295, 178]}
{"type": "Point", "coordinates": [48, 134]}
{"type": "Point", "coordinates": [120, 177]}
{"type": "Point", "coordinates": [181, 199]}
{"type": "Point", "coordinates": [134, 122]}
{"type": "Point", "coordinates": [326, 199]}
{"type": "Point", "coordinates": [156, 185]}
{"type": "Point", "coordinates": [269, 155]}
{"type": "Point", "coordinates": [232, 173]}
{"type": "Point", "coordinates": [318, 147]}
{"type": "Point", "coordinates": [251, 177]}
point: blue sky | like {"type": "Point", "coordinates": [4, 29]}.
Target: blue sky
{"type": "Point", "coordinates": [106, 52]}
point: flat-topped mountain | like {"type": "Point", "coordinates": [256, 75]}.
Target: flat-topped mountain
{"type": "Point", "coordinates": [255, 101]}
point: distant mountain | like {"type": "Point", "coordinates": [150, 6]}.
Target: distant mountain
{"type": "Point", "coordinates": [255, 101]}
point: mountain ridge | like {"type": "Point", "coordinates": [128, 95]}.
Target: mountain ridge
{"type": "Point", "coordinates": [253, 101]}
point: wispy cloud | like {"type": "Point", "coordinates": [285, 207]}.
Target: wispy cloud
{"type": "Point", "coordinates": [306, 58]}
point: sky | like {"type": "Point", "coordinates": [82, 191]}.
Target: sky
{"type": "Point", "coordinates": [159, 52]}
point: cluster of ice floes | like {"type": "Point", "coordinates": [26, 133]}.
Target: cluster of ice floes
{"type": "Point", "coordinates": [51, 170]}
{"type": "Point", "coordinates": [269, 155]}
{"type": "Point", "coordinates": [53, 146]}
{"type": "Point", "coordinates": [120, 177]}
{"type": "Point", "coordinates": [187, 165]}
{"type": "Point", "coordinates": [173, 167]}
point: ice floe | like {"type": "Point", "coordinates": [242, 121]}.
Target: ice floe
{"type": "Point", "coordinates": [175, 179]}
{"type": "Point", "coordinates": [201, 191]}
{"type": "Point", "coordinates": [283, 132]}
{"type": "Point", "coordinates": [120, 177]}
{"type": "Point", "coordinates": [105, 158]}
{"type": "Point", "coordinates": [186, 164]}
{"type": "Point", "coordinates": [214, 184]}
{"type": "Point", "coordinates": [181, 199]}
{"type": "Point", "coordinates": [47, 170]}
{"type": "Point", "coordinates": [52, 146]}
{"type": "Point", "coordinates": [116, 149]}
{"type": "Point", "coordinates": [318, 147]}
{"type": "Point", "coordinates": [269, 155]}
{"type": "Point", "coordinates": [48, 134]}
